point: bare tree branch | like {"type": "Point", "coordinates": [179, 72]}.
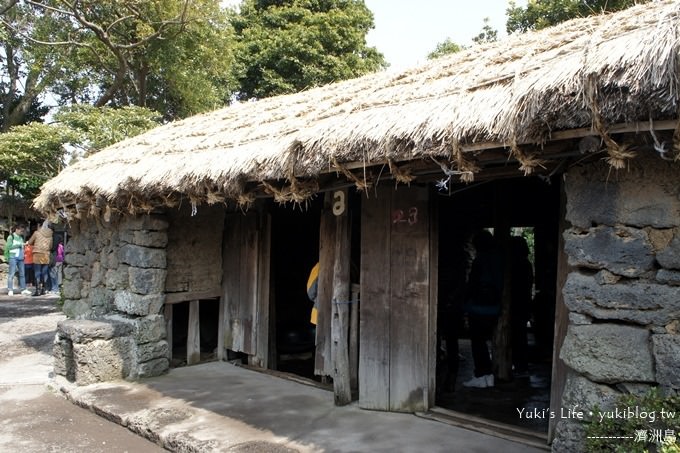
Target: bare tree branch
{"type": "Point", "coordinates": [10, 4]}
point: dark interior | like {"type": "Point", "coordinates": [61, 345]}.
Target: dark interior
{"type": "Point", "coordinates": [295, 250]}
{"type": "Point", "coordinates": [526, 206]}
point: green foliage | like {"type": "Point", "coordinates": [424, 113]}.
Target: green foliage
{"type": "Point", "coordinates": [539, 14]}
{"type": "Point", "coordinates": [444, 48]}
{"type": "Point", "coordinates": [488, 34]}
{"type": "Point", "coordinates": [32, 153]}
{"type": "Point", "coordinates": [98, 128]}
{"type": "Point", "coordinates": [287, 46]}
{"type": "Point", "coordinates": [619, 434]}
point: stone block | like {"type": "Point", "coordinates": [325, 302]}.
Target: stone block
{"type": "Point", "coordinates": [146, 222]}
{"type": "Point", "coordinates": [570, 437]}
{"type": "Point", "coordinates": [646, 194]}
{"type": "Point", "coordinates": [136, 304]}
{"type": "Point", "coordinates": [101, 297]}
{"type": "Point", "coordinates": [143, 257]}
{"type": "Point", "coordinates": [666, 349]}
{"type": "Point", "coordinates": [609, 353]}
{"type": "Point", "coordinates": [638, 301]}
{"type": "Point", "coordinates": [152, 351]}
{"type": "Point", "coordinates": [579, 319]}
{"type": "Point", "coordinates": [669, 257]}
{"type": "Point", "coordinates": [579, 391]}
{"type": "Point", "coordinates": [97, 275]}
{"type": "Point", "coordinates": [146, 281]}
{"type": "Point", "coordinates": [149, 329]}
{"type": "Point", "coordinates": [75, 259]}
{"type": "Point", "coordinates": [87, 330]}
{"type": "Point", "coordinates": [154, 239]}
{"type": "Point", "coordinates": [117, 278]}
{"type": "Point", "coordinates": [621, 250]}
{"type": "Point", "coordinates": [152, 368]}
{"type": "Point", "coordinates": [668, 277]}
{"type": "Point", "coordinates": [76, 308]}
{"type": "Point", "coordinates": [71, 288]}
{"type": "Point", "coordinates": [102, 360]}
{"type": "Point", "coordinates": [62, 352]}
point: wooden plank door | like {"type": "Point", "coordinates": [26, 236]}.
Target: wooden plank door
{"type": "Point", "coordinates": [396, 316]}
{"type": "Point", "coordinates": [245, 285]}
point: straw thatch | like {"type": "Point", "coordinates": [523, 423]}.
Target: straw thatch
{"type": "Point", "coordinates": [591, 72]}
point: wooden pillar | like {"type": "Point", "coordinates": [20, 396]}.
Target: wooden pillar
{"type": "Point", "coordinates": [168, 329]}
{"type": "Point", "coordinates": [559, 368]}
{"type": "Point", "coordinates": [220, 330]}
{"type": "Point", "coordinates": [194, 334]}
{"type": "Point", "coordinates": [341, 298]}
{"type": "Point", "coordinates": [354, 341]}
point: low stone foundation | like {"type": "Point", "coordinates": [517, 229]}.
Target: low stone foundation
{"type": "Point", "coordinates": [114, 282]}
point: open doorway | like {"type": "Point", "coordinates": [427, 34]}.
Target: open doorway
{"type": "Point", "coordinates": [294, 252]}
{"type": "Point", "coordinates": [512, 211]}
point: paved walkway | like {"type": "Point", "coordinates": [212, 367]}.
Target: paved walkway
{"type": "Point", "coordinates": [218, 406]}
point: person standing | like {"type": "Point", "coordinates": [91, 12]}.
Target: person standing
{"type": "Point", "coordinates": [56, 270]}
{"type": "Point", "coordinates": [483, 305]}
{"type": "Point", "coordinates": [28, 265]}
{"type": "Point", "coordinates": [42, 247]}
{"type": "Point", "coordinates": [14, 254]}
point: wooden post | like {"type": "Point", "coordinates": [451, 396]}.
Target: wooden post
{"type": "Point", "coordinates": [559, 368]}
{"type": "Point", "coordinates": [354, 341]}
{"type": "Point", "coordinates": [194, 334]}
{"type": "Point", "coordinates": [168, 329]}
{"type": "Point", "coordinates": [220, 330]}
{"type": "Point", "coordinates": [341, 296]}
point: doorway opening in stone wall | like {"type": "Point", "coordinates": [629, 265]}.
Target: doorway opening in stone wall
{"type": "Point", "coordinates": [294, 252]}
{"type": "Point", "coordinates": [521, 220]}
{"type": "Point", "coordinates": [192, 330]}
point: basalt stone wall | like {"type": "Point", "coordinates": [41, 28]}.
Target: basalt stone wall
{"type": "Point", "coordinates": [114, 280]}
{"type": "Point", "coordinates": [623, 291]}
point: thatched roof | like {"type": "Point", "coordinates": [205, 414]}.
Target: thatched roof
{"type": "Point", "coordinates": [592, 72]}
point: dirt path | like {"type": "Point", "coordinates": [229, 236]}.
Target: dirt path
{"type": "Point", "coordinates": [34, 419]}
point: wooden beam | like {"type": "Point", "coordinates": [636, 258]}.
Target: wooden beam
{"type": "Point", "coordinates": [194, 334]}
{"type": "Point", "coordinates": [341, 293]}
{"type": "Point", "coordinates": [176, 298]}
{"type": "Point", "coordinates": [220, 330]}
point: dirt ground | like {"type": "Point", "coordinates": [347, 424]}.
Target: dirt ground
{"type": "Point", "coordinates": [35, 418]}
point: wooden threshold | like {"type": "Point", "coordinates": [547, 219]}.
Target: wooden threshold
{"type": "Point", "coordinates": [288, 376]}
{"type": "Point", "coordinates": [489, 427]}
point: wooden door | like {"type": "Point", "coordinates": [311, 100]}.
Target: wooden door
{"type": "Point", "coordinates": [397, 318]}
{"type": "Point", "coordinates": [245, 285]}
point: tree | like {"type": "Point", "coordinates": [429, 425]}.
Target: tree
{"type": "Point", "coordinates": [539, 14]}
{"type": "Point", "coordinates": [171, 55]}
{"type": "Point", "coordinates": [444, 48]}
{"type": "Point", "coordinates": [488, 34]}
{"type": "Point", "coordinates": [27, 70]}
{"type": "Point", "coordinates": [285, 46]}
{"type": "Point", "coordinates": [31, 154]}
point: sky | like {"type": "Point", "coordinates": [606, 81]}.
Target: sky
{"type": "Point", "coordinates": [407, 30]}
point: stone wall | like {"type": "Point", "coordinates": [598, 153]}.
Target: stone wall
{"type": "Point", "coordinates": [623, 291]}
{"type": "Point", "coordinates": [114, 281]}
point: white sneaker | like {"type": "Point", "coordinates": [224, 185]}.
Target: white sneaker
{"type": "Point", "coordinates": [489, 380]}
{"type": "Point", "coordinates": [478, 382]}
{"type": "Point", "coordinates": [10, 293]}
{"type": "Point", "coordinates": [26, 292]}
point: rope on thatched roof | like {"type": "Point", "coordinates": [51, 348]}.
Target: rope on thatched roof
{"type": "Point", "coordinates": [401, 175]}
{"type": "Point", "coordinates": [528, 161]}
{"type": "Point", "coordinates": [296, 192]}
{"type": "Point", "coordinates": [361, 184]}
{"type": "Point", "coordinates": [465, 166]}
